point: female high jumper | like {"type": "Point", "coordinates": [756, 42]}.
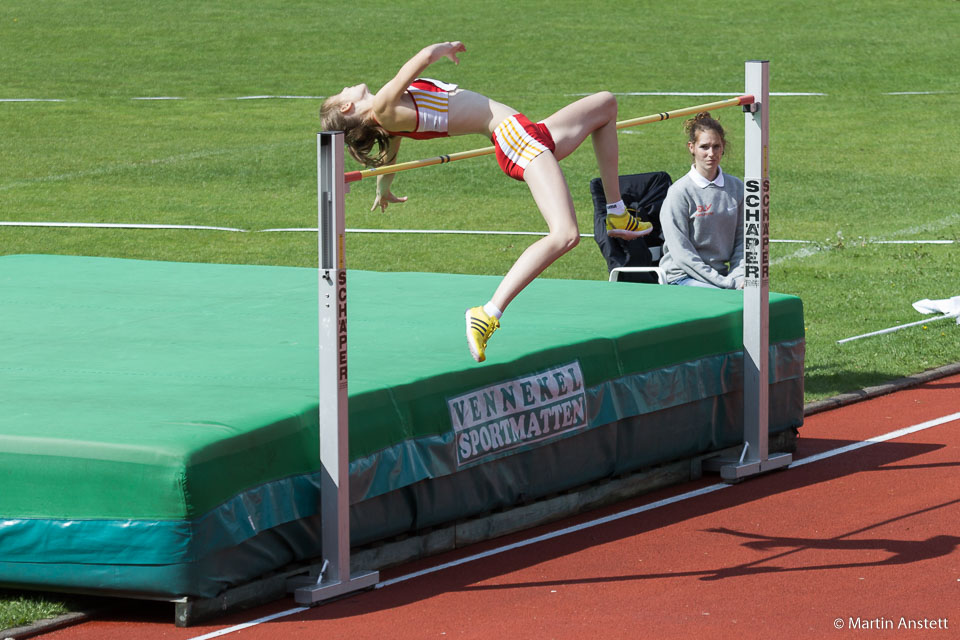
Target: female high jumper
{"type": "Point", "coordinates": [412, 107]}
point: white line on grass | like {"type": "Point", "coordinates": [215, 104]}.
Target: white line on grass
{"type": "Point", "coordinates": [933, 225]}
{"type": "Point", "coordinates": [276, 98]}
{"type": "Point", "coordinates": [426, 232]}
{"type": "Point", "coordinates": [477, 232]}
{"type": "Point", "coordinates": [619, 93]}
{"type": "Point", "coordinates": [803, 252]}
{"type": "Point", "coordinates": [702, 93]}
{"type": "Point", "coordinates": [128, 166]}
{"type": "Point", "coordinates": [899, 433]}
{"type": "Point", "coordinates": [917, 93]}
{"type": "Point", "coordinates": [112, 169]}
{"type": "Point", "coordinates": [929, 227]}
{"type": "Point", "coordinates": [117, 225]}
{"type": "Point", "coordinates": [914, 241]}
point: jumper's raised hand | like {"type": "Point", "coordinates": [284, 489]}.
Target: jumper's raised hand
{"type": "Point", "coordinates": [450, 50]}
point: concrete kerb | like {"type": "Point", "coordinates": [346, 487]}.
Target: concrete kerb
{"type": "Point", "coordinates": [899, 384]}
{"type": "Point", "coordinates": [45, 626]}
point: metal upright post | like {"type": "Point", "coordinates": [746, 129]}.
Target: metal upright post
{"type": "Point", "coordinates": [755, 457]}
{"type": "Point", "coordinates": [334, 577]}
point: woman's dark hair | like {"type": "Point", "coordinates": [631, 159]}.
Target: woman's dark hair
{"type": "Point", "coordinates": [703, 121]}
{"type": "Point", "coordinates": [359, 135]}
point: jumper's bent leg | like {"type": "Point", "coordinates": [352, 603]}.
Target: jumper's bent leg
{"type": "Point", "coordinates": [549, 189]}
{"type": "Point", "coordinates": [596, 116]}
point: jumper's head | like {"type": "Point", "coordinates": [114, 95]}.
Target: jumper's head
{"type": "Point", "coordinates": [351, 111]}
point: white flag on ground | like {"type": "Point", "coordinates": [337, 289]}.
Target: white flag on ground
{"type": "Point", "coordinates": [947, 306]}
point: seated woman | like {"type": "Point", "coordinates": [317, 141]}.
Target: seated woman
{"type": "Point", "coordinates": [702, 216]}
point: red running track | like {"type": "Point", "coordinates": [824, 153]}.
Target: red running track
{"type": "Point", "coordinates": [863, 543]}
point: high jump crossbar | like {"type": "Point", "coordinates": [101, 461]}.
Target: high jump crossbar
{"type": "Point", "coordinates": [353, 176]}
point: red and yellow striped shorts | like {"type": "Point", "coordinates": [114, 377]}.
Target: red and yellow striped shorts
{"type": "Point", "coordinates": [518, 141]}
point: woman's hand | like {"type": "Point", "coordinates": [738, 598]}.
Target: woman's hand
{"type": "Point", "coordinates": [384, 199]}
{"type": "Point", "coordinates": [386, 100]}
{"type": "Point", "coordinates": [384, 194]}
{"type": "Point", "coordinates": [447, 50]}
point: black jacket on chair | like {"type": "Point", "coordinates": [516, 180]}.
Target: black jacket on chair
{"type": "Point", "coordinates": [643, 193]}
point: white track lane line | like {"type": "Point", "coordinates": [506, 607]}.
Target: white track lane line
{"type": "Point", "coordinates": [252, 623]}
{"type": "Point", "coordinates": [936, 422]}
{"type": "Point", "coordinates": [899, 433]}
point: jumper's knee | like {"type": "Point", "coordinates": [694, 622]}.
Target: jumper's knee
{"type": "Point", "coordinates": [608, 101]}
{"type": "Point", "coordinates": [565, 240]}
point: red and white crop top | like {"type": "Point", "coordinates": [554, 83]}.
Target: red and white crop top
{"type": "Point", "coordinates": [432, 100]}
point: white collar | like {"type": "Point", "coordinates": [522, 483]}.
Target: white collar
{"type": "Point", "coordinates": [702, 182]}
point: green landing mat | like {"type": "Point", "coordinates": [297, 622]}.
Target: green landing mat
{"type": "Point", "coordinates": [152, 390]}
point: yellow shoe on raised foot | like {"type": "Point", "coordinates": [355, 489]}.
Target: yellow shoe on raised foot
{"type": "Point", "coordinates": [480, 327]}
{"type": "Point", "coordinates": [627, 226]}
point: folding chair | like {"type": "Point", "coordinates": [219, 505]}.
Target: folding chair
{"type": "Point", "coordinates": [633, 260]}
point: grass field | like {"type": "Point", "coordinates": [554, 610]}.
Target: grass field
{"type": "Point", "coordinates": [18, 609]}
{"type": "Point", "coordinates": [872, 156]}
